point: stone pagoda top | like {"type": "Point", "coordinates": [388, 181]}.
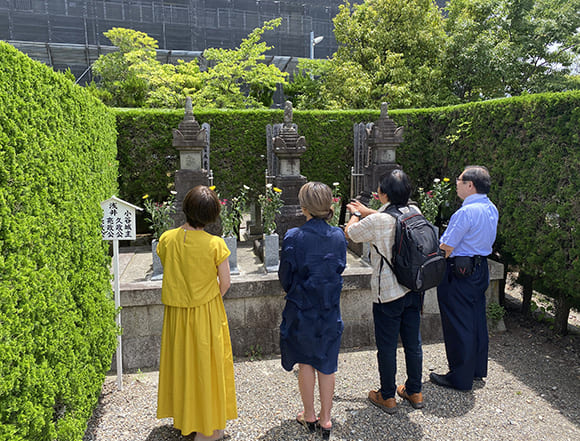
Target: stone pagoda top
{"type": "Point", "coordinates": [288, 143]}
{"type": "Point", "coordinates": [189, 133]}
{"type": "Point", "coordinates": [384, 131]}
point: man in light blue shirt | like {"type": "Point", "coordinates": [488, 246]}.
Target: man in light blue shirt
{"type": "Point", "coordinates": [467, 242]}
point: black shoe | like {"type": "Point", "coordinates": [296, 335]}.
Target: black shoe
{"type": "Point", "coordinates": [440, 380]}
{"type": "Point", "coordinates": [324, 433]}
{"type": "Point", "coordinates": [443, 381]}
{"type": "Point", "coordinates": [308, 425]}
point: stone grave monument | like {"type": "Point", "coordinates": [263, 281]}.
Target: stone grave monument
{"type": "Point", "coordinates": [375, 146]}
{"type": "Point", "coordinates": [192, 143]}
{"type": "Point", "coordinates": [285, 147]}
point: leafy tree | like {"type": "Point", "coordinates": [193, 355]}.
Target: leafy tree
{"type": "Point", "coordinates": [509, 47]}
{"type": "Point", "coordinates": [132, 77]}
{"type": "Point", "coordinates": [170, 84]}
{"type": "Point", "coordinates": [305, 89]}
{"type": "Point", "coordinates": [236, 78]}
{"type": "Point", "coordinates": [122, 83]}
{"type": "Point", "coordinates": [327, 84]}
{"type": "Point", "coordinates": [394, 47]}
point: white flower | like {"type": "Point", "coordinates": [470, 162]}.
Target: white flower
{"type": "Point", "coordinates": [437, 180]}
{"type": "Point", "coordinates": [335, 184]}
{"type": "Point", "coordinates": [173, 192]}
{"type": "Point", "coordinates": [268, 185]}
{"type": "Point", "coordinates": [246, 187]}
{"type": "Point", "coordinates": [553, 220]}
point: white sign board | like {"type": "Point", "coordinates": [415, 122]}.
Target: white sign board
{"type": "Point", "coordinates": [118, 219]}
{"type": "Point", "coordinates": [118, 224]}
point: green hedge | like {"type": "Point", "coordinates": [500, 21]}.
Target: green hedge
{"type": "Point", "coordinates": [57, 329]}
{"type": "Point", "coordinates": [530, 144]}
{"type": "Point", "coordinates": [147, 159]}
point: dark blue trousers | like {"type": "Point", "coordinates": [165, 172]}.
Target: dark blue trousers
{"type": "Point", "coordinates": [399, 317]}
{"type": "Point", "coordinates": [462, 307]}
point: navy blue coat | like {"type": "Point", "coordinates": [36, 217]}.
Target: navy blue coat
{"type": "Point", "coordinates": [311, 265]}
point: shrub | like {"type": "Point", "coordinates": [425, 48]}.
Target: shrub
{"type": "Point", "coordinates": [57, 328]}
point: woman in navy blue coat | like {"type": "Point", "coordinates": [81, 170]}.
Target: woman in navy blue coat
{"type": "Point", "coordinates": [312, 261]}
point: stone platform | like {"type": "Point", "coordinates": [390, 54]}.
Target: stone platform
{"type": "Point", "coordinates": [254, 305]}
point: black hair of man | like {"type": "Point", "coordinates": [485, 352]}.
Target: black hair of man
{"type": "Point", "coordinates": [396, 186]}
{"type": "Point", "coordinates": [479, 175]}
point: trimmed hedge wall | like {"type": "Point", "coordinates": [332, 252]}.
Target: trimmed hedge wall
{"type": "Point", "coordinates": [147, 159]}
{"type": "Point", "coordinates": [57, 328]}
{"type": "Point", "coordinates": [530, 144]}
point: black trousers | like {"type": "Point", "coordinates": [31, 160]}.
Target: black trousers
{"type": "Point", "coordinates": [462, 307]}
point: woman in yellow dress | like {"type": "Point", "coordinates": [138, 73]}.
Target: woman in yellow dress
{"type": "Point", "coordinates": [196, 369]}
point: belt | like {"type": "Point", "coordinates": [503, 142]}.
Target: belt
{"type": "Point", "coordinates": [476, 259]}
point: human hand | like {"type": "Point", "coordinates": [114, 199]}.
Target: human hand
{"type": "Point", "coordinates": [448, 249]}
{"type": "Point", "coordinates": [355, 205]}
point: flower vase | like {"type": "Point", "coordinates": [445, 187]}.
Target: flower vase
{"type": "Point", "coordinates": [271, 252]}
{"type": "Point", "coordinates": [232, 244]}
{"type": "Point", "coordinates": [157, 265]}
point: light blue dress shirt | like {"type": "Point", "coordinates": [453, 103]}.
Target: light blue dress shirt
{"type": "Point", "coordinates": [472, 229]}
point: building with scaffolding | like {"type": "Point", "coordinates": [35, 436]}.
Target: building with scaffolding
{"type": "Point", "coordinates": [69, 33]}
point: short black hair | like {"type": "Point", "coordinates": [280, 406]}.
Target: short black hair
{"type": "Point", "coordinates": [201, 206]}
{"type": "Point", "coordinates": [396, 186]}
{"type": "Point", "coordinates": [479, 175]}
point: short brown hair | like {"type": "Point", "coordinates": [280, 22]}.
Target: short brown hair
{"type": "Point", "coordinates": [316, 198]}
{"type": "Point", "coordinates": [201, 206]}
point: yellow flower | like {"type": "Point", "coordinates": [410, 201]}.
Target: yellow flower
{"type": "Point", "coordinates": [445, 179]}
{"type": "Point", "coordinates": [212, 188]}
{"type": "Point", "coordinates": [277, 190]}
{"type": "Point", "coordinates": [146, 196]}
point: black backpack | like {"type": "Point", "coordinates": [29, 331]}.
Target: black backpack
{"type": "Point", "coordinates": [418, 262]}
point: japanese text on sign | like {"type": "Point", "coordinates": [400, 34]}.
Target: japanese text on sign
{"type": "Point", "coordinates": [118, 221]}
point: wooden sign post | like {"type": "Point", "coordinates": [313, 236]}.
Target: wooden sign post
{"type": "Point", "coordinates": [118, 224]}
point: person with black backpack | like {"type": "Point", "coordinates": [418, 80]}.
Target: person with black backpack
{"type": "Point", "coordinates": [396, 307]}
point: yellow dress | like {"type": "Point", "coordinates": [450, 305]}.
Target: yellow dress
{"type": "Point", "coordinates": [196, 368]}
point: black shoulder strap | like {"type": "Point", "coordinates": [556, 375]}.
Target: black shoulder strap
{"type": "Point", "coordinates": [393, 210]}
{"type": "Point", "coordinates": [383, 258]}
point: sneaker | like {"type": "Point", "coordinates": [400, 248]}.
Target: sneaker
{"type": "Point", "coordinates": [416, 400]}
{"type": "Point", "coordinates": [389, 405]}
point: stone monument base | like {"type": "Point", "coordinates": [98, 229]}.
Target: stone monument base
{"type": "Point", "coordinates": [185, 180]}
{"type": "Point", "coordinates": [290, 217]}
{"type": "Point", "coordinates": [254, 305]}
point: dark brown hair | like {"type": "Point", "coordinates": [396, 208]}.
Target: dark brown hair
{"type": "Point", "coordinates": [201, 206]}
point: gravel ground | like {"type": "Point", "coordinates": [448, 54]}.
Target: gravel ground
{"type": "Point", "coordinates": [532, 393]}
